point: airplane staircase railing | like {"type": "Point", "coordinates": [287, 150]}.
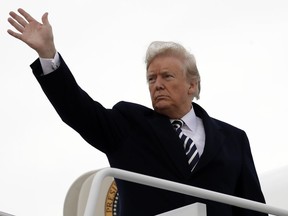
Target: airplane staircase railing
{"type": "Point", "coordinates": [175, 187]}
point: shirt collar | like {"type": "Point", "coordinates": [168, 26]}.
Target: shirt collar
{"type": "Point", "coordinates": [189, 119]}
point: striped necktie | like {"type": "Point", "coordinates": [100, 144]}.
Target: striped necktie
{"type": "Point", "coordinates": [189, 146]}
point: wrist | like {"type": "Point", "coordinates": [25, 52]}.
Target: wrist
{"type": "Point", "coordinates": [47, 53]}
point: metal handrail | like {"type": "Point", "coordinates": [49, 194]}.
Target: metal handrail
{"type": "Point", "coordinates": [175, 187]}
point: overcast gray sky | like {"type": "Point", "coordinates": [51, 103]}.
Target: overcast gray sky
{"type": "Point", "coordinates": [241, 51]}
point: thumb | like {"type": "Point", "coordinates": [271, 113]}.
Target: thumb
{"type": "Point", "coordinates": [45, 20]}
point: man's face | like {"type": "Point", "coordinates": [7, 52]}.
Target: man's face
{"type": "Point", "coordinates": [171, 93]}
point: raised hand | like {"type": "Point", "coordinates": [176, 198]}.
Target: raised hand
{"type": "Point", "coordinates": [39, 36]}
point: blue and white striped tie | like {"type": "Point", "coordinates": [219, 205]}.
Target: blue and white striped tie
{"type": "Point", "coordinates": [189, 146]}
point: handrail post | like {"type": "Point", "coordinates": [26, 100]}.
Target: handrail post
{"type": "Point", "coordinates": [94, 192]}
{"type": "Point", "coordinates": [175, 187]}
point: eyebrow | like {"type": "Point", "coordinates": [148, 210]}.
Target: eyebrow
{"type": "Point", "coordinates": [161, 72]}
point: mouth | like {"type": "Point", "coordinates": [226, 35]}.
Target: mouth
{"type": "Point", "coordinates": [160, 97]}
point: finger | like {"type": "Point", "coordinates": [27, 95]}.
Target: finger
{"type": "Point", "coordinates": [18, 18]}
{"type": "Point", "coordinates": [27, 16]}
{"type": "Point", "coordinates": [14, 34]}
{"type": "Point", "coordinates": [45, 20]}
{"type": "Point", "coordinates": [16, 25]}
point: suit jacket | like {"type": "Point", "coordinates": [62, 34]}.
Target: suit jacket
{"type": "Point", "coordinates": [138, 139]}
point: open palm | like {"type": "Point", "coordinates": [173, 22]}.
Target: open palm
{"type": "Point", "coordinates": [38, 36]}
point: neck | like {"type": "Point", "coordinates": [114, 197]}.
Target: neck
{"type": "Point", "coordinates": [179, 113]}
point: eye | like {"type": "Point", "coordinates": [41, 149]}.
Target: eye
{"type": "Point", "coordinates": [168, 76]}
{"type": "Point", "coordinates": [151, 79]}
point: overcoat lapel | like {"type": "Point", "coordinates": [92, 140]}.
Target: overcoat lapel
{"type": "Point", "coordinates": [170, 143]}
{"type": "Point", "coordinates": [213, 138]}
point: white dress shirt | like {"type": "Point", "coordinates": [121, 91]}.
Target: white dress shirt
{"type": "Point", "coordinates": [50, 65]}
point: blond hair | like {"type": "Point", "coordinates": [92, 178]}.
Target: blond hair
{"type": "Point", "coordinates": [162, 48]}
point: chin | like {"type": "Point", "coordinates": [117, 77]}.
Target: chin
{"type": "Point", "coordinates": [162, 106]}
{"type": "Point", "coordinates": [161, 110]}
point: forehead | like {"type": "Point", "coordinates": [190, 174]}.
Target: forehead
{"type": "Point", "coordinates": [161, 63]}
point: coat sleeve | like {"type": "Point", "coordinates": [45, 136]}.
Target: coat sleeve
{"type": "Point", "coordinates": [97, 125]}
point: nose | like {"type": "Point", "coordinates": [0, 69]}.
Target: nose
{"type": "Point", "coordinates": [159, 84]}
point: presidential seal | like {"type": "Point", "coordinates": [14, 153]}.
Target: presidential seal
{"type": "Point", "coordinates": [111, 201]}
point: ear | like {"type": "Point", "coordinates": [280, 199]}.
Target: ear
{"type": "Point", "coordinates": [193, 85]}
